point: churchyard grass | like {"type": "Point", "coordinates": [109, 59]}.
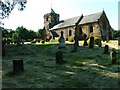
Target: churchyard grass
{"type": "Point", "coordinates": [89, 68]}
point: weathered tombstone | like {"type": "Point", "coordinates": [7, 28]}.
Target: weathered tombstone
{"type": "Point", "coordinates": [85, 41]}
{"type": "Point", "coordinates": [113, 56]}
{"type": "Point", "coordinates": [18, 66]}
{"type": "Point", "coordinates": [107, 39]}
{"type": "Point", "coordinates": [99, 42]}
{"type": "Point", "coordinates": [75, 46]}
{"type": "Point", "coordinates": [106, 49]}
{"type": "Point", "coordinates": [119, 40]}
{"type": "Point", "coordinates": [59, 57]}
{"type": "Point", "coordinates": [62, 42]}
{"type": "Point", "coordinates": [91, 45]}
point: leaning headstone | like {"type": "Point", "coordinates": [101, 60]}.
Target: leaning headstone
{"type": "Point", "coordinates": [119, 40]}
{"type": "Point", "coordinates": [113, 56]}
{"type": "Point", "coordinates": [18, 66]}
{"type": "Point", "coordinates": [59, 57]}
{"type": "Point", "coordinates": [91, 45]}
{"type": "Point", "coordinates": [106, 49]}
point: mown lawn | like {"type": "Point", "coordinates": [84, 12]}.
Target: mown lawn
{"type": "Point", "coordinates": [87, 68]}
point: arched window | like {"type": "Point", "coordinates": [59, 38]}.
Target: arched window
{"type": "Point", "coordinates": [62, 33]}
{"type": "Point", "coordinates": [91, 29]}
{"type": "Point", "coordinates": [70, 32]}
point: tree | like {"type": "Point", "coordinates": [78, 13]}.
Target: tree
{"type": "Point", "coordinates": [7, 6]}
{"type": "Point", "coordinates": [22, 33]}
{"type": "Point", "coordinates": [31, 34]}
{"type": "Point", "coordinates": [40, 33]}
{"type": "Point", "coordinates": [11, 32]}
{"type": "Point", "coordinates": [15, 36]}
{"type": "Point", "coordinates": [116, 33]}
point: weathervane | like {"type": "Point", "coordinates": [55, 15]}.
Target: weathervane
{"type": "Point", "coordinates": [51, 3]}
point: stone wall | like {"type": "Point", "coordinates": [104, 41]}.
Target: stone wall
{"type": "Point", "coordinates": [86, 29]}
{"type": "Point", "coordinates": [66, 32]}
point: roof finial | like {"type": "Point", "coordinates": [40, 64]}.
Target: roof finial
{"type": "Point", "coordinates": [51, 5]}
{"type": "Point", "coordinates": [103, 9]}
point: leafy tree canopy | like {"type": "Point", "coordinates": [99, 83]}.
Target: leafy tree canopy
{"type": "Point", "coordinates": [6, 7]}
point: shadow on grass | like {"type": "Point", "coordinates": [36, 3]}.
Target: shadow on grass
{"type": "Point", "coordinates": [87, 68]}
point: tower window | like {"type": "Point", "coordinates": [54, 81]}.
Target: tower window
{"type": "Point", "coordinates": [46, 18]}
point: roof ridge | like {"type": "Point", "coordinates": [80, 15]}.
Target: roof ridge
{"type": "Point", "coordinates": [71, 18]}
{"type": "Point", "coordinates": [94, 13]}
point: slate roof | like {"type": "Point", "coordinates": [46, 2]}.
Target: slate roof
{"type": "Point", "coordinates": [91, 18]}
{"type": "Point", "coordinates": [66, 23]}
{"type": "Point", "coordinates": [86, 19]}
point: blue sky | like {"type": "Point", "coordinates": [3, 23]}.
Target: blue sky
{"type": "Point", "coordinates": [32, 16]}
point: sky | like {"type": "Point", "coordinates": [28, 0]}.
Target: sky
{"type": "Point", "coordinates": [32, 16]}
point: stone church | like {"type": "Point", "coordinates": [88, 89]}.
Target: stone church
{"type": "Point", "coordinates": [96, 24]}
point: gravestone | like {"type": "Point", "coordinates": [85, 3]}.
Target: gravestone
{"type": "Point", "coordinates": [119, 40]}
{"type": "Point", "coordinates": [113, 56]}
{"type": "Point", "coordinates": [107, 39]}
{"type": "Point", "coordinates": [74, 49]}
{"type": "Point", "coordinates": [91, 45]}
{"type": "Point", "coordinates": [62, 41]}
{"type": "Point", "coordinates": [99, 42]}
{"type": "Point", "coordinates": [75, 45]}
{"type": "Point", "coordinates": [59, 57]}
{"type": "Point", "coordinates": [85, 41]}
{"type": "Point", "coordinates": [106, 49]}
{"type": "Point", "coordinates": [18, 66]}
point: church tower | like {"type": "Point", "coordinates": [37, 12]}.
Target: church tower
{"type": "Point", "coordinates": [50, 19]}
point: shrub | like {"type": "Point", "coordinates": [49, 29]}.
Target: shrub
{"type": "Point", "coordinates": [96, 40]}
{"type": "Point", "coordinates": [28, 40]}
{"type": "Point", "coordinates": [9, 41]}
{"type": "Point", "coordinates": [42, 41]}
{"type": "Point", "coordinates": [71, 39]}
{"type": "Point", "coordinates": [38, 41]}
{"type": "Point", "coordinates": [59, 39]}
{"type": "Point", "coordinates": [33, 41]}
